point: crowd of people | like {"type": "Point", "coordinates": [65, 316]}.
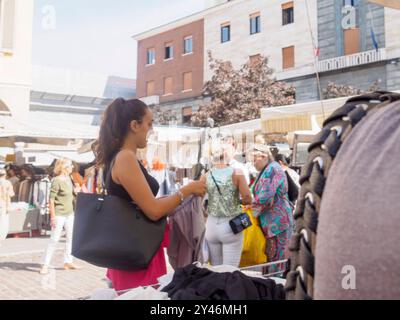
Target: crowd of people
{"type": "Point", "coordinates": [228, 189]}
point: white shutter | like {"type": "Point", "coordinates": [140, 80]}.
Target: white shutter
{"type": "Point", "coordinates": [7, 24]}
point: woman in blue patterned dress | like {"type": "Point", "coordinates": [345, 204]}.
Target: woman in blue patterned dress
{"type": "Point", "coordinates": [271, 204]}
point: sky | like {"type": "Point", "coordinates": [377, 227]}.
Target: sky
{"type": "Point", "coordinates": [96, 35]}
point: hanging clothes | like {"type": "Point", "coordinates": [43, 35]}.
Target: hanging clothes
{"type": "Point", "coordinates": [187, 230]}
{"type": "Point", "coordinates": [41, 194]}
{"type": "Point", "coordinates": [26, 191]}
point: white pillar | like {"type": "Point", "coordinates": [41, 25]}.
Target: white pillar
{"type": "Point", "coordinates": [19, 153]}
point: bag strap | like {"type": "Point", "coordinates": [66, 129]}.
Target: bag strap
{"type": "Point", "coordinates": [107, 181]}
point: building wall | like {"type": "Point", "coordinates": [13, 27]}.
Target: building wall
{"type": "Point", "coordinates": [15, 66]}
{"type": "Point", "coordinates": [306, 88]}
{"type": "Point", "coordinates": [392, 32]}
{"type": "Point", "coordinates": [269, 42]}
{"type": "Point", "coordinates": [360, 77]}
{"type": "Point", "coordinates": [175, 67]}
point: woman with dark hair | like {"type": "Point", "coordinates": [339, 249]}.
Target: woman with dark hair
{"type": "Point", "coordinates": [126, 127]}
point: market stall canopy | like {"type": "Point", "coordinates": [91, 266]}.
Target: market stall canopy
{"type": "Point", "coordinates": [86, 157]}
{"type": "Point", "coordinates": [38, 126]}
{"type": "Point", "coordinates": [297, 117]}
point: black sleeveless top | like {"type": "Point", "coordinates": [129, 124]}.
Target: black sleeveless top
{"type": "Point", "coordinates": [119, 191]}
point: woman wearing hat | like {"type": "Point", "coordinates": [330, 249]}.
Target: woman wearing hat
{"type": "Point", "coordinates": [271, 204]}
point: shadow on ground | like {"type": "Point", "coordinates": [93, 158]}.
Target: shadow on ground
{"type": "Point", "coordinates": [33, 267]}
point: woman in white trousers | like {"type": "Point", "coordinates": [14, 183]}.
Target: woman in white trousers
{"type": "Point", "coordinates": [61, 213]}
{"type": "Point", "coordinates": [226, 188]}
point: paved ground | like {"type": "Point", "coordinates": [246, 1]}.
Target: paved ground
{"type": "Point", "coordinates": [20, 262]}
{"type": "Point", "coordinates": [20, 279]}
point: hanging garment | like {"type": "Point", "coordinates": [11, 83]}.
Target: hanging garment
{"type": "Point", "coordinates": [254, 244]}
{"type": "Point", "coordinates": [193, 283]}
{"type": "Point", "coordinates": [26, 191]}
{"type": "Point", "coordinates": [41, 194]}
{"type": "Point", "coordinates": [187, 229]}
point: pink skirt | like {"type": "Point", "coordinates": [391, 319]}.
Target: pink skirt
{"type": "Point", "coordinates": [123, 280]}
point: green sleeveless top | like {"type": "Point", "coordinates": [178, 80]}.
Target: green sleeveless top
{"type": "Point", "coordinates": [227, 205]}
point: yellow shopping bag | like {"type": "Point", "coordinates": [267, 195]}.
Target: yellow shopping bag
{"type": "Point", "coordinates": [254, 244]}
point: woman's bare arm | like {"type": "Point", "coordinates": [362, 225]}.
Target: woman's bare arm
{"type": "Point", "coordinates": [127, 172]}
{"type": "Point", "coordinates": [241, 183]}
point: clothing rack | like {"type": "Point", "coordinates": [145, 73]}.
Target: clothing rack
{"type": "Point", "coordinates": [259, 266]}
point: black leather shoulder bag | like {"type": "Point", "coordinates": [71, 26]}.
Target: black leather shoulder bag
{"type": "Point", "coordinates": [111, 232]}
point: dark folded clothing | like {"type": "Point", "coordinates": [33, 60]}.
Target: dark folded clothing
{"type": "Point", "coordinates": [193, 283]}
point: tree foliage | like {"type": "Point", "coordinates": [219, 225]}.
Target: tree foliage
{"type": "Point", "coordinates": [238, 94]}
{"type": "Point", "coordinates": [334, 90]}
{"type": "Point", "coordinates": [163, 117]}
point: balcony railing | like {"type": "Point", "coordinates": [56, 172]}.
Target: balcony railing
{"type": "Point", "coordinates": [352, 60]}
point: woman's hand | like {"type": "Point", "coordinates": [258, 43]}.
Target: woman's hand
{"type": "Point", "coordinates": [248, 207]}
{"type": "Point", "coordinates": [197, 188]}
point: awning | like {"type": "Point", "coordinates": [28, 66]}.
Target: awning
{"type": "Point", "coordinates": [298, 116]}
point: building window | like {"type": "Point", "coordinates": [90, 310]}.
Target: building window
{"type": "Point", "coordinates": [149, 88]}
{"type": "Point", "coordinates": [188, 45]}
{"type": "Point", "coordinates": [187, 113]}
{"type": "Point", "coordinates": [351, 39]}
{"type": "Point", "coordinates": [167, 85]}
{"type": "Point", "coordinates": [288, 57]}
{"type": "Point", "coordinates": [287, 13]}
{"type": "Point", "coordinates": [169, 51]}
{"type": "Point", "coordinates": [7, 25]}
{"type": "Point", "coordinates": [187, 81]}
{"type": "Point", "coordinates": [348, 3]}
{"type": "Point", "coordinates": [225, 33]}
{"type": "Point", "coordinates": [151, 56]}
{"type": "Point", "coordinates": [255, 23]}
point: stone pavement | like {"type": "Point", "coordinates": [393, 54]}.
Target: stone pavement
{"type": "Point", "coordinates": [20, 262]}
{"type": "Point", "coordinates": [20, 279]}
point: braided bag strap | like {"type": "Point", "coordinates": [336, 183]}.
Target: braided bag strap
{"type": "Point", "coordinates": [322, 152]}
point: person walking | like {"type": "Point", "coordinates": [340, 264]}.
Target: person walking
{"type": "Point", "coordinates": [271, 204]}
{"type": "Point", "coordinates": [125, 129]}
{"type": "Point", "coordinates": [225, 187]}
{"type": "Point", "coordinates": [6, 193]}
{"type": "Point", "coordinates": [61, 213]}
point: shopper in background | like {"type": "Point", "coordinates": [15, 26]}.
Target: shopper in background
{"type": "Point", "coordinates": [61, 213]}
{"type": "Point", "coordinates": [271, 204]}
{"type": "Point", "coordinates": [6, 193]}
{"type": "Point", "coordinates": [292, 178]}
{"type": "Point", "coordinates": [225, 187]}
{"type": "Point", "coordinates": [282, 160]}
{"type": "Point", "coordinates": [77, 179]}
{"type": "Point", "coordinates": [12, 176]}
{"type": "Point", "coordinates": [27, 172]}
{"type": "Point", "coordinates": [231, 146]}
